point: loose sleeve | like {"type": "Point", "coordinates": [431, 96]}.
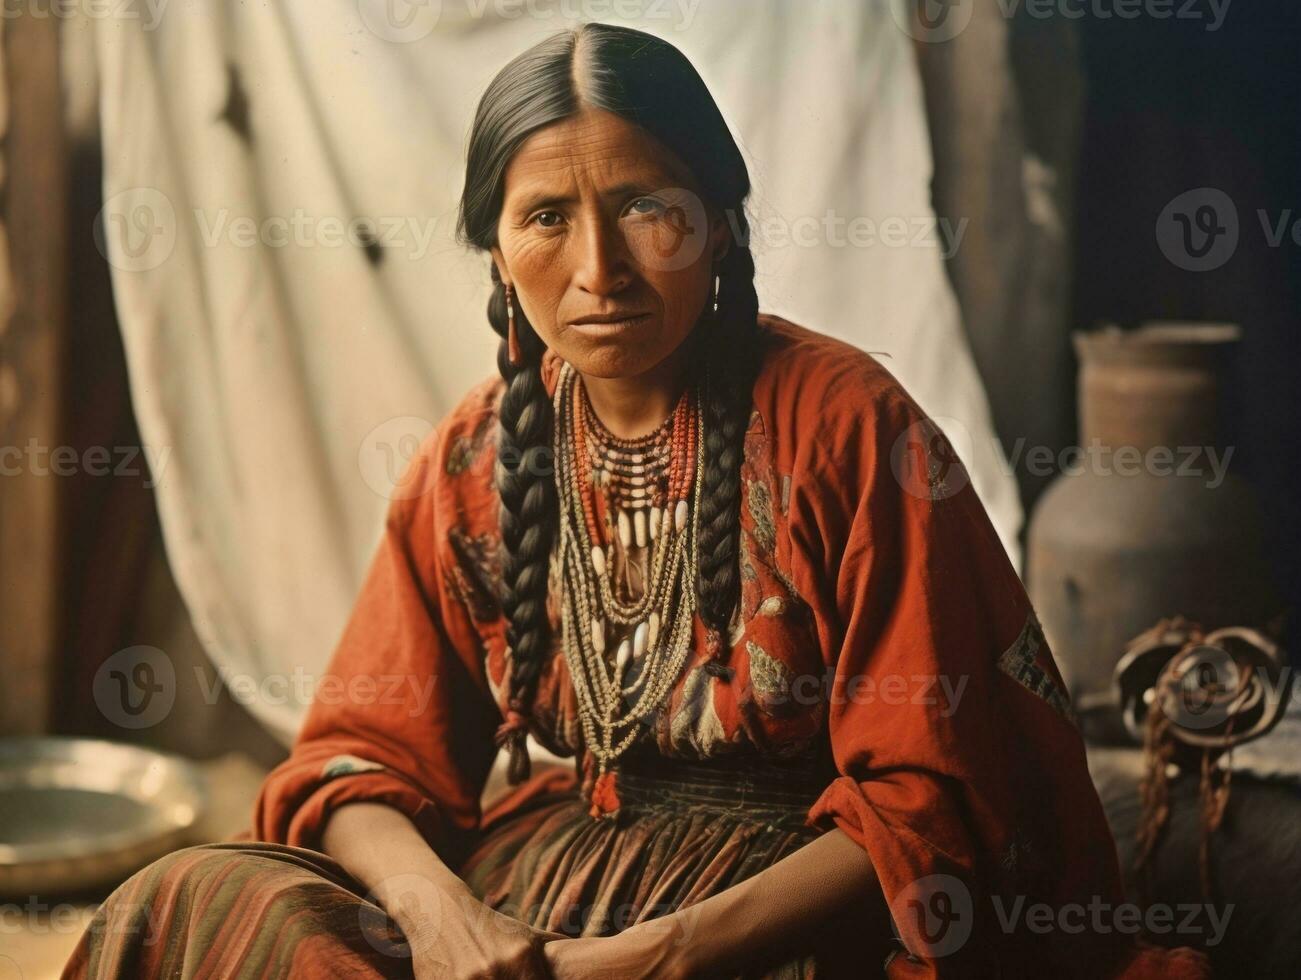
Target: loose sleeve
{"type": "Point", "coordinates": [403, 715]}
{"type": "Point", "coordinates": [962, 772]}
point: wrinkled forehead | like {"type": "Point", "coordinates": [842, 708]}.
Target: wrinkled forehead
{"type": "Point", "coordinates": [592, 151]}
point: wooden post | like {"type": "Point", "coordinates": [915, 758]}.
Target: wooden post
{"type": "Point", "coordinates": [32, 338]}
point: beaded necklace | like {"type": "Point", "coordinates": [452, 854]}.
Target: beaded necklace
{"type": "Point", "coordinates": [650, 488]}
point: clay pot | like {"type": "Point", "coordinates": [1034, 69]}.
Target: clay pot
{"type": "Point", "coordinates": [1132, 535]}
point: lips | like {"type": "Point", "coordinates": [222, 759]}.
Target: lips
{"type": "Point", "coordinates": [609, 323]}
{"type": "Point", "coordinates": [609, 319]}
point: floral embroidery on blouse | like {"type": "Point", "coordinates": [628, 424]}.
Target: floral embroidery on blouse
{"type": "Point", "coordinates": [474, 577]}
{"type": "Point", "coordinates": [1020, 662]}
{"type": "Point", "coordinates": [465, 449]}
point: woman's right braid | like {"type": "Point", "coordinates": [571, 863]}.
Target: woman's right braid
{"type": "Point", "coordinates": [528, 517]}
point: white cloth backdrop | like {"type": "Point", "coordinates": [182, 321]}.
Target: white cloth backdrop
{"type": "Point", "coordinates": [280, 371]}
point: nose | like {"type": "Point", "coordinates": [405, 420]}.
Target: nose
{"type": "Point", "coordinates": [603, 267]}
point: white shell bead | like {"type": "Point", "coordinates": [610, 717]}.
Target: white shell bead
{"type": "Point", "coordinates": [598, 636]}
{"type": "Point", "coordinates": [680, 515]}
{"type": "Point", "coordinates": [654, 523]}
{"type": "Point", "coordinates": [639, 638]}
{"type": "Point", "coordinates": [639, 527]}
{"type": "Point", "coordinates": [625, 529]}
{"type": "Point", "coordinates": [622, 657]}
{"type": "Point", "coordinates": [598, 560]}
{"type": "Point", "coordinates": [653, 629]}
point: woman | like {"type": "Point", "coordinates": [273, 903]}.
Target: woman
{"type": "Point", "coordinates": [725, 563]}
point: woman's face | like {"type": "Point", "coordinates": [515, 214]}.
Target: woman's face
{"type": "Point", "coordinates": [600, 220]}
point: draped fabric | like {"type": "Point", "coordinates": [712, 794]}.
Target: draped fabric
{"type": "Point", "coordinates": [281, 183]}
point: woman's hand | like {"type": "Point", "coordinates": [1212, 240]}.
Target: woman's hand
{"type": "Point", "coordinates": [449, 931]}
{"type": "Point", "coordinates": [453, 935]}
{"type": "Point", "coordinates": [654, 948]}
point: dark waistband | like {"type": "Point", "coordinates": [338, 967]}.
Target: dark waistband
{"type": "Point", "coordinates": [744, 787]}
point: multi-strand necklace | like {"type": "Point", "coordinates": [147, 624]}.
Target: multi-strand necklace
{"type": "Point", "coordinates": [625, 646]}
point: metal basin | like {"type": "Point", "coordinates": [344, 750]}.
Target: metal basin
{"type": "Point", "coordinates": [80, 814]}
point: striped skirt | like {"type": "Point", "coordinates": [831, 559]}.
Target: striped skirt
{"type": "Point", "coordinates": [683, 832]}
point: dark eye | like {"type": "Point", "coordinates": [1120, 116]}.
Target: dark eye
{"type": "Point", "coordinates": [547, 224]}
{"type": "Point", "coordinates": [646, 205]}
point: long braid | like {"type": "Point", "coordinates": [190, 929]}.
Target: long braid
{"type": "Point", "coordinates": [726, 407]}
{"type": "Point", "coordinates": [528, 517]}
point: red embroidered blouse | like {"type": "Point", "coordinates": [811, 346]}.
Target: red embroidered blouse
{"type": "Point", "coordinates": [880, 620]}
